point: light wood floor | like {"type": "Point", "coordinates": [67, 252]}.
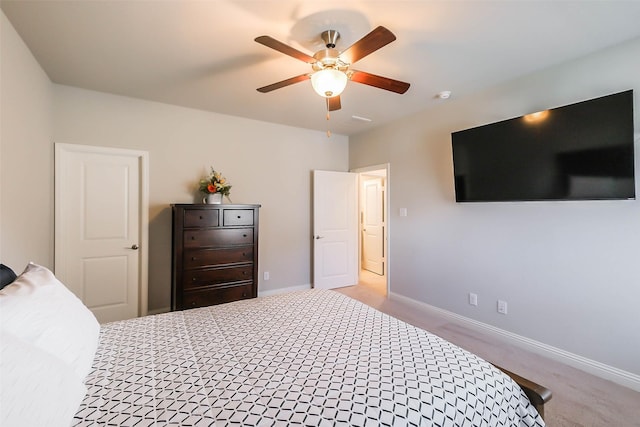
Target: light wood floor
{"type": "Point", "coordinates": [373, 282]}
{"type": "Point", "coordinates": [579, 399]}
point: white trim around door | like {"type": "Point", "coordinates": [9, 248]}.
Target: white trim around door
{"type": "Point", "coordinates": [387, 199]}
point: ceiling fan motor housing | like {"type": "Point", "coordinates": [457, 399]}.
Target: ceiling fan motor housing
{"type": "Point", "coordinates": [328, 58]}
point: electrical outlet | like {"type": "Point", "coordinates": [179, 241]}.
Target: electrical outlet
{"type": "Point", "coordinates": [473, 298]}
{"type": "Point", "coordinates": [266, 275]}
{"type": "Point", "coordinates": [502, 307]}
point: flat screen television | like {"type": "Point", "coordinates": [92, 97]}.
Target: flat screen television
{"type": "Point", "coordinates": [582, 151]}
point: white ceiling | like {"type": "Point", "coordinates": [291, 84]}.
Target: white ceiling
{"type": "Point", "coordinates": [201, 54]}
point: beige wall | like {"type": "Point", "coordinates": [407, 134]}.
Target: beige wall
{"type": "Point", "coordinates": [266, 164]}
{"type": "Point", "coordinates": [26, 155]}
{"type": "Point", "coordinates": [568, 270]}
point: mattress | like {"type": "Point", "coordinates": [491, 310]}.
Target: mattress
{"type": "Point", "coordinates": [309, 358]}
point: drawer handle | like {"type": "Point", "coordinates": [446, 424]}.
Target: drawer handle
{"type": "Point", "coordinates": [200, 216]}
{"type": "Point", "coordinates": [244, 235]}
{"type": "Point", "coordinates": [194, 279]}
{"type": "Point", "coordinates": [244, 273]}
{"type": "Point", "coordinates": [244, 254]}
{"type": "Point", "coordinates": [239, 217]}
{"type": "Point", "coordinates": [244, 294]}
{"type": "Point", "coordinates": [193, 237]}
{"type": "Point", "coordinates": [193, 258]}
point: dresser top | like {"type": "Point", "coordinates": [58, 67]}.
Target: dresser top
{"type": "Point", "coordinates": [215, 206]}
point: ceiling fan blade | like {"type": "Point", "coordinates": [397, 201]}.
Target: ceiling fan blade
{"type": "Point", "coordinates": [334, 103]}
{"type": "Point", "coordinates": [380, 82]}
{"type": "Point", "coordinates": [287, 82]}
{"type": "Point", "coordinates": [286, 49]}
{"type": "Point", "coordinates": [373, 41]}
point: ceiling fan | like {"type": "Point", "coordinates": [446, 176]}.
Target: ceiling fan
{"type": "Point", "coordinates": [331, 68]}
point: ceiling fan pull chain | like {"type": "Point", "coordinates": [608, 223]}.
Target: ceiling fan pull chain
{"type": "Point", "coordinates": [328, 117]}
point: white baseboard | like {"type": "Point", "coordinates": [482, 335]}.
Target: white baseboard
{"type": "Point", "coordinates": [590, 366]}
{"type": "Point", "coordinates": [283, 290]}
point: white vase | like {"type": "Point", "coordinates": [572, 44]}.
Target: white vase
{"type": "Point", "coordinates": [213, 199]}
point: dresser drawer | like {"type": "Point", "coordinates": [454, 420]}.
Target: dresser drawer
{"type": "Point", "coordinates": [218, 238]}
{"type": "Point", "coordinates": [237, 217]}
{"type": "Point", "coordinates": [201, 218]}
{"type": "Point", "coordinates": [203, 298]}
{"type": "Point", "coordinates": [217, 276]}
{"type": "Point", "coordinates": [196, 258]}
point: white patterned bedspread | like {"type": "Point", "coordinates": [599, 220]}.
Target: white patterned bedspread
{"type": "Point", "coordinates": [310, 358]}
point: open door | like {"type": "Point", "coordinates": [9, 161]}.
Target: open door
{"type": "Point", "coordinates": [335, 229]}
{"type": "Point", "coordinates": [373, 225]}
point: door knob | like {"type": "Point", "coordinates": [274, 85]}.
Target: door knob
{"type": "Point", "coordinates": [319, 237]}
{"type": "Point", "coordinates": [135, 247]}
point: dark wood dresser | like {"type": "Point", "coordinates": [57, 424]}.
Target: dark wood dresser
{"type": "Point", "coordinates": [214, 254]}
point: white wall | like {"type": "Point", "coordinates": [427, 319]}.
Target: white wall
{"type": "Point", "coordinates": [26, 155]}
{"type": "Point", "coordinates": [570, 271]}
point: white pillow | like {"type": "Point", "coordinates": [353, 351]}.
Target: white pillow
{"type": "Point", "coordinates": [40, 310]}
{"type": "Point", "coordinates": [36, 388]}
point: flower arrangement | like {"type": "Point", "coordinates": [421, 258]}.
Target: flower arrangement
{"type": "Point", "coordinates": [215, 183]}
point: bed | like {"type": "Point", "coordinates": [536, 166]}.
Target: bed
{"type": "Point", "coordinates": [307, 358]}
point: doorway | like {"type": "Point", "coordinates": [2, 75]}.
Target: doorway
{"type": "Point", "coordinates": [350, 232]}
{"type": "Point", "coordinates": [373, 228]}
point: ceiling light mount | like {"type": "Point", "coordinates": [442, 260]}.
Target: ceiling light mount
{"type": "Point", "coordinates": [330, 38]}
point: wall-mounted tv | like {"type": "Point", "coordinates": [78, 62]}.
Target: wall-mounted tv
{"type": "Point", "coordinates": [582, 151]}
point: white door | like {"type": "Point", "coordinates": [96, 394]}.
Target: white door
{"type": "Point", "coordinates": [335, 229]}
{"type": "Point", "coordinates": [101, 228]}
{"type": "Point", "coordinates": [373, 225]}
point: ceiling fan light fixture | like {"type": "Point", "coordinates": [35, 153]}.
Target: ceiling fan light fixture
{"type": "Point", "coordinates": [329, 82]}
